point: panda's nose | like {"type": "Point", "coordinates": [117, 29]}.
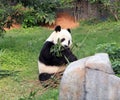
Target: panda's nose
{"type": "Point", "coordinates": [65, 46]}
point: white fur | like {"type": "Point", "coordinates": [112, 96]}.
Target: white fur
{"type": "Point", "coordinates": [50, 69]}
{"type": "Point", "coordinates": [59, 35]}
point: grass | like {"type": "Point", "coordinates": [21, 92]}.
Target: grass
{"type": "Point", "coordinates": [19, 50]}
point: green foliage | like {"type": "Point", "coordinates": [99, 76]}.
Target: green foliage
{"type": "Point", "coordinates": [66, 3]}
{"type": "Point", "coordinates": [2, 18]}
{"type": "Point", "coordinates": [2, 52]}
{"type": "Point", "coordinates": [51, 94]}
{"type": "Point", "coordinates": [30, 13]}
{"type": "Point", "coordinates": [113, 6]}
{"type": "Point", "coordinates": [50, 18]}
{"type": "Point", "coordinates": [45, 18]}
{"type": "Point", "coordinates": [29, 21]}
{"type": "Point", "coordinates": [29, 18]}
{"type": "Point", "coordinates": [57, 49]}
{"type": "Point", "coordinates": [43, 12]}
{"type": "Point", "coordinates": [105, 2]}
{"type": "Point", "coordinates": [114, 54]}
{"type": "Point", "coordinates": [116, 67]}
{"type": "Point", "coordinates": [33, 13]}
{"type": "Point", "coordinates": [17, 13]}
{"type": "Point", "coordinates": [31, 96]}
{"type": "Point", "coordinates": [10, 14]}
{"type": "Point", "coordinates": [2, 33]}
{"type": "Point", "coordinates": [47, 3]}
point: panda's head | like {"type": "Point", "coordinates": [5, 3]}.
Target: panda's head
{"type": "Point", "coordinates": [63, 35]}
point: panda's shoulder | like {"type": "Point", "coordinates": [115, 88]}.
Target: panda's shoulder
{"type": "Point", "coordinates": [48, 43]}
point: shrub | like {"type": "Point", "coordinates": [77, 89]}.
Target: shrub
{"type": "Point", "coordinates": [114, 54]}
{"type": "Point", "coordinates": [31, 14]}
{"type": "Point", "coordinates": [10, 15]}
{"type": "Point", "coordinates": [29, 18]}
{"type": "Point", "coordinates": [113, 6]}
{"type": "Point", "coordinates": [43, 12]}
{"type": "Point", "coordinates": [18, 12]}
{"type": "Point", "coordinates": [29, 21]}
{"type": "Point", "coordinates": [39, 12]}
{"type": "Point", "coordinates": [2, 18]}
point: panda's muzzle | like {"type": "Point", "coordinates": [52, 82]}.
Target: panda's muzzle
{"type": "Point", "coordinates": [68, 44]}
{"type": "Point", "coordinates": [65, 46]}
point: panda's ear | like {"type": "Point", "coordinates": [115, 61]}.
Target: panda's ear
{"type": "Point", "coordinates": [69, 30]}
{"type": "Point", "coordinates": [58, 28]}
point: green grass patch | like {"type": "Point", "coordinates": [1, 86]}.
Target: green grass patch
{"type": "Point", "coordinates": [19, 50]}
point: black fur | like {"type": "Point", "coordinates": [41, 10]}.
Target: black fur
{"type": "Point", "coordinates": [69, 30]}
{"type": "Point", "coordinates": [48, 58]}
{"type": "Point", "coordinates": [58, 28]}
{"type": "Point", "coordinates": [44, 76]}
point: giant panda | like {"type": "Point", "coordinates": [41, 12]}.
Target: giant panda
{"type": "Point", "coordinates": [50, 65]}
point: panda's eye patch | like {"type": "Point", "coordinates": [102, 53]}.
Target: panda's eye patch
{"type": "Point", "coordinates": [63, 39]}
{"type": "Point", "coordinates": [69, 42]}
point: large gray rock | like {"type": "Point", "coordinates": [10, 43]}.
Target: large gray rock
{"type": "Point", "coordinates": [90, 78]}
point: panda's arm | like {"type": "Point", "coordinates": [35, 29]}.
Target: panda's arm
{"type": "Point", "coordinates": [69, 55]}
{"type": "Point", "coordinates": [45, 55]}
{"type": "Point", "coordinates": [48, 58]}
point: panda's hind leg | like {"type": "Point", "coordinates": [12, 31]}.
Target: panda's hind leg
{"type": "Point", "coordinates": [44, 79]}
{"type": "Point", "coordinates": [50, 80]}
{"type": "Point", "coordinates": [44, 76]}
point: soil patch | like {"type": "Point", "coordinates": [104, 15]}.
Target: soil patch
{"type": "Point", "coordinates": [65, 21]}
{"type": "Point", "coordinates": [14, 26]}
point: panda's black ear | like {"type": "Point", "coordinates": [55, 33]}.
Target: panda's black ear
{"type": "Point", "coordinates": [58, 28]}
{"type": "Point", "coordinates": [69, 30]}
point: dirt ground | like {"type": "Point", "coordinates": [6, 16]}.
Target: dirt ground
{"type": "Point", "coordinates": [65, 21]}
{"type": "Point", "coordinates": [62, 19]}
{"type": "Point", "coordinates": [14, 26]}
